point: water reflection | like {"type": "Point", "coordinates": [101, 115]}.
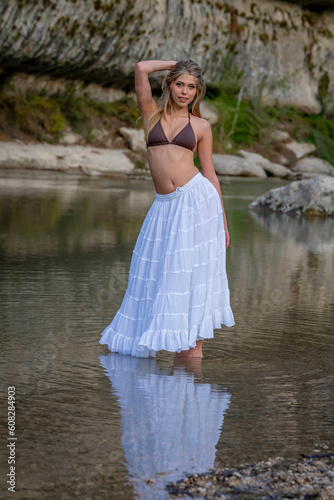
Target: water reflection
{"type": "Point", "coordinates": [65, 249]}
{"type": "Point", "coordinates": [316, 233]}
{"type": "Point", "coordinates": [171, 420]}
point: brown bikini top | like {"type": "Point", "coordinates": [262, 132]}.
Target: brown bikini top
{"type": "Point", "coordinates": [185, 138]}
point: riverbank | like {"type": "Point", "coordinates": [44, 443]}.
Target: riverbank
{"type": "Point", "coordinates": [51, 114]}
{"type": "Point", "coordinates": [313, 477]}
{"type": "Point", "coordinates": [85, 159]}
{"type": "Point", "coordinates": [66, 131]}
{"type": "Point", "coordinates": [132, 162]}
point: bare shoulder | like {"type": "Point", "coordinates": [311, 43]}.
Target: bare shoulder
{"type": "Point", "coordinates": [201, 126]}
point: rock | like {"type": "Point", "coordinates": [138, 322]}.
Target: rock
{"type": "Point", "coordinates": [311, 165]}
{"type": "Point", "coordinates": [92, 161]}
{"type": "Point", "coordinates": [305, 102]}
{"type": "Point", "coordinates": [227, 145]}
{"type": "Point", "coordinates": [279, 135]}
{"type": "Point", "coordinates": [209, 113]}
{"type": "Point", "coordinates": [297, 176]}
{"type": "Point", "coordinates": [234, 165]}
{"type": "Point", "coordinates": [277, 170]}
{"type": "Point", "coordinates": [103, 138]}
{"type": "Point", "coordinates": [294, 150]}
{"type": "Point", "coordinates": [287, 154]}
{"type": "Point", "coordinates": [71, 138]}
{"type": "Point", "coordinates": [272, 168]}
{"type": "Point", "coordinates": [100, 41]}
{"type": "Point", "coordinates": [255, 157]}
{"type": "Point", "coordinates": [308, 197]}
{"type": "Point", "coordinates": [135, 138]}
{"type": "Point", "coordinates": [119, 143]}
{"type": "Point", "coordinates": [273, 478]}
{"type": "Point", "coordinates": [323, 4]}
{"type": "Point", "coordinates": [279, 158]}
{"type": "Point", "coordinates": [47, 85]}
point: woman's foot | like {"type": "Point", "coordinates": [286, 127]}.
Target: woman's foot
{"type": "Point", "coordinates": [193, 352]}
{"type": "Point", "coordinates": [191, 365]}
{"type": "Point", "coordinates": [196, 352]}
{"type": "Point", "coordinates": [181, 355]}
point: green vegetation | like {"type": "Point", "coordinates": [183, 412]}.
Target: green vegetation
{"type": "Point", "coordinates": [243, 121]}
{"type": "Point", "coordinates": [46, 117]}
{"type": "Point", "coordinates": [246, 123]}
{"type": "Point", "coordinates": [321, 133]}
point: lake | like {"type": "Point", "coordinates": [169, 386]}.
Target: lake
{"type": "Point", "coordinates": [91, 424]}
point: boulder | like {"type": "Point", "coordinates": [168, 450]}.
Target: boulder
{"type": "Point", "coordinates": [254, 157]}
{"type": "Point", "coordinates": [90, 160]}
{"type": "Point", "coordinates": [314, 165]}
{"type": "Point", "coordinates": [294, 150]}
{"type": "Point", "coordinates": [277, 170]}
{"type": "Point", "coordinates": [135, 138]}
{"type": "Point", "coordinates": [234, 165]}
{"type": "Point", "coordinates": [70, 138]}
{"type": "Point", "coordinates": [307, 197]}
{"type": "Point", "coordinates": [103, 139]}
{"type": "Point", "coordinates": [279, 135]}
{"type": "Point", "coordinates": [209, 113]}
{"type": "Point", "coordinates": [300, 149]}
{"type": "Point", "coordinates": [279, 158]}
{"type": "Point", "coordinates": [272, 168]}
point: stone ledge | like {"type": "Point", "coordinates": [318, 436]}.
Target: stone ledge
{"type": "Point", "coordinates": [90, 160]}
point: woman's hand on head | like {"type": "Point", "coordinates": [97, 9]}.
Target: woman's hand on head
{"type": "Point", "coordinates": [153, 65]}
{"type": "Point", "coordinates": [143, 90]}
{"type": "Point", "coordinates": [172, 64]}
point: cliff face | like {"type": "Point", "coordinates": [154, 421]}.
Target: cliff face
{"type": "Point", "coordinates": [279, 46]}
{"type": "Point", "coordinates": [315, 5]}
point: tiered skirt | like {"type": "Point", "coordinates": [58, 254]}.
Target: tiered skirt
{"type": "Point", "coordinates": [177, 290]}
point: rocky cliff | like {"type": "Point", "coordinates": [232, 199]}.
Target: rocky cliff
{"type": "Point", "coordinates": [315, 5]}
{"type": "Point", "coordinates": [283, 49]}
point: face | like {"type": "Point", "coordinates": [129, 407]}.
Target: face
{"type": "Point", "coordinates": [184, 90]}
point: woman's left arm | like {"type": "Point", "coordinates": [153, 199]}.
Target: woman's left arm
{"type": "Point", "coordinates": [204, 153]}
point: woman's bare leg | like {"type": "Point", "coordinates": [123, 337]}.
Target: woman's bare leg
{"type": "Point", "coordinates": [192, 365]}
{"type": "Point", "coordinates": [193, 352]}
{"type": "Point", "coordinates": [196, 352]}
{"type": "Point", "coordinates": [180, 355]}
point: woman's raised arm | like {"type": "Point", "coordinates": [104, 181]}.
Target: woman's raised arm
{"type": "Point", "coordinates": [143, 90]}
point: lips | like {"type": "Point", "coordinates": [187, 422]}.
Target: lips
{"type": "Point", "coordinates": [182, 99]}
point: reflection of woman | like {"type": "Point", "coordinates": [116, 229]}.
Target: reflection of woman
{"type": "Point", "coordinates": [171, 423]}
{"type": "Point", "coordinates": [177, 291]}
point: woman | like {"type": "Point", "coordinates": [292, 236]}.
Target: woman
{"type": "Point", "coordinates": [177, 291]}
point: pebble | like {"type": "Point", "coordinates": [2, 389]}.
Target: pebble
{"type": "Point", "coordinates": [275, 478]}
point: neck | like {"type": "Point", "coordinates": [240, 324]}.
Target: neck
{"type": "Point", "coordinates": [177, 112]}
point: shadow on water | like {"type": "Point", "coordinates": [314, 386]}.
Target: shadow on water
{"type": "Point", "coordinates": [171, 420]}
{"type": "Point", "coordinates": [65, 247]}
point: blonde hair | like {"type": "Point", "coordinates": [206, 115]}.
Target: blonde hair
{"type": "Point", "coordinates": [185, 66]}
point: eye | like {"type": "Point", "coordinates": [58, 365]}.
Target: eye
{"type": "Point", "coordinates": [179, 84]}
{"type": "Point", "coordinates": [192, 86]}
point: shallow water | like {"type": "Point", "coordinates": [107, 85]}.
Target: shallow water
{"type": "Point", "coordinates": [91, 424]}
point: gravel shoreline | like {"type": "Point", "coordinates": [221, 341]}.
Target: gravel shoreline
{"type": "Point", "coordinates": [277, 478]}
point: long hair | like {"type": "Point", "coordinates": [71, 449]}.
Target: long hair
{"type": "Point", "coordinates": [181, 67]}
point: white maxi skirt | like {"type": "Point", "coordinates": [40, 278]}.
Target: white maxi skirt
{"type": "Point", "coordinates": [177, 290]}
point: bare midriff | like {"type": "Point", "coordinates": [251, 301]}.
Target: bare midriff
{"type": "Point", "coordinates": [171, 166]}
